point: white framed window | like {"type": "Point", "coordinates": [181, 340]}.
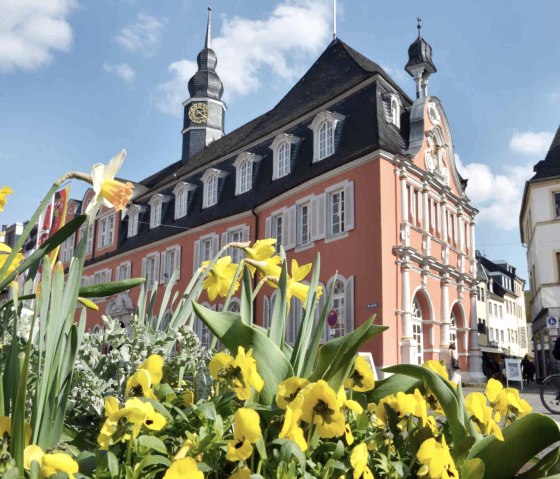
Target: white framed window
{"type": "Point", "coordinates": [236, 234]}
{"type": "Point", "coordinates": [418, 331]}
{"type": "Point", "coordinates": [123, 270]}
{"type": "Point", "coordinates": [281, 224]}
{"type": "Point", "coordinates": [106, 231]}
{"type": "Point", "coordinates": [303, 223]}
{"type": "Point", "coordinates": [282, 154]}
{"type": "Point", "coordinates": [278, 231]}
{"type": "Point", "coordinates": [340, 208]}
{"type": "Point", "coordinates": [342, 302]}
{"type": "Point", "coordinates": [244, 164]}
{"type": "Point", "coordinates": [150, 269]}
{"type": "Point", "coordinates": [89, 242]}
{"type": "Point", "coordinates": [556, 201]}
{"type": "Point", "coordinates": [202, 331]}
{"type": "Point", "coordinates": [205, 249]}
{"type": "Point", "coordinates": [211, 181]}
{"type": "Point", "coordinates": [183, 193]}
{"type": "Point", "coordinates": [324, 127]}
{"type": "Point", "coordinates": [170, 261]}
{"type": "Point", "coordinates": [234, 305]}
{"type": "Point", "coordinates": [101, 277]}
{"type": "Point", "coordinates": [134, 213]}
{"type": "Point", "coordinates": [67, 249]}
{"type": "Point", "coordinates": [395, 110]}
{"type": "Point", "coordinates": [156, 209]}
{"type": "Point", "coordinates": [293, 321]}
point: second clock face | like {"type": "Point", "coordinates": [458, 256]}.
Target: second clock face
{"type": "Point", "coordinates": [198, 113]}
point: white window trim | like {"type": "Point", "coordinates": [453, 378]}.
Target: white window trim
{"type": "Point", "coordinates": [128, 266]}
{"type": "Point", "coordinates": [242, 160]}
{"type": "Point", "coordinates": [197, 248]}
{"type": "Point", "coordinates": [279, 141]}
{"type": "Point", "coordinates": [307, 201]}
{"type": "Point", "coordinates": [182, 188]}
{"type": "Point", "coordinates": [332, 117]}
{"type": "Point", "coordinates": [100, 244]}
{"type": "Point", "coordinates": [156, 206]}
{"type": "Point", "coordinates": [396, 108]}
{"type": "Point", "coordinates": [133, 225]}
{"type": "Point", "coordinates": [107, 278]}
{"type": "Point", "coordinates": [349, 209]}
{"type": "Point", "coordinates": [156, 256]}
{"type": "Point", "coordinates": [211, 173]}
{"type": "Point", "coordinates": [165, 275]}
{"type": "Point", "coordinates": [245, 231]}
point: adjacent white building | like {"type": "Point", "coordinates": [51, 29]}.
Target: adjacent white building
{"type": "Point", "coordinates": [540, 233]}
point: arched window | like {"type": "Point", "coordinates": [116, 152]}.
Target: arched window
{"type": "Point", "coordinates": [326, 139]}
{"type": "Point", "coordinates": [395, 111]}
{"type": "Point", "coordinates": [342, 302]}
{"type": "Point", "coordinates": [417, 330]}
{"type": "Point", "coordinates": [453, 329]}
{"type": "Point", "coordinates": [324, 126]}
{"type": "Point", "coordinates": [234, 306]}
{"type": "Point", "coordinates": [245, 176]}
{"type": "Point", "coordinates": [132, 221]}
{"type": "Point", "coordinates": [282, 154]}
{"type": "Point", "coordinates": [244, 167]}
{"type": "Point", "coordinates": [211, 191]}
{"type": "Point", "coordinates": [283, 163]}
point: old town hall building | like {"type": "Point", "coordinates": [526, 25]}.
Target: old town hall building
{"type": "Point", "coordinates": [347, 165]}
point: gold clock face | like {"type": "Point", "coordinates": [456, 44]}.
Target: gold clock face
{"type": "Point", "coordinates": [198, 113]}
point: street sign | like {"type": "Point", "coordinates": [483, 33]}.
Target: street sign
{"type": "Point", "coordinates": [372, 305]}
{"type": "Point", "coordinates": [551, 322]}
{"type": "Point", "coordinates": [332, 318]}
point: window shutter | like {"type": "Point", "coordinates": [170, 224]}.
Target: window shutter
{"type": "Point", "coordinates": [349, 206]}
{"type": "Point", "coordinates": [178, 261]}
{"type": "Point", "coordinates": [143, 268]}
{"type": "Point", "coordinates": [225, 236]}
{"type": "Point", "coordinates": [215, 244]}
{"type": "Point", "coordinates": [318, 216]}
{"type": "Point", "coordinates": [268, 228]}
{"type": "Point", "coordinates": [349, 305]}
{"type": "Point", "coordinates": [108, 275]}
{"type": "Point", "coordinates": [162, 272]}
{"type": "Point", "coordinates": [196, 255]}
{"type": "Point", "coordinates": [246, 233]}
{"type": "Point", "coordinates": [157, 267]}
{"type": "Point", "coordinates": [289, 223]}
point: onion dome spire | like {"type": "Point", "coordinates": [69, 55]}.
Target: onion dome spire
{"type": "Point", "coordinates": [420, 65]}
{"type": "Point", "coordinates": [206, 83]}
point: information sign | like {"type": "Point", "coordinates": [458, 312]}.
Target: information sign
{"type": "Point", "coordinates": [513, 371]}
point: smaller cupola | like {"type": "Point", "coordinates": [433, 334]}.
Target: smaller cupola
{"type": "Point", "coordinates": [420, 65]}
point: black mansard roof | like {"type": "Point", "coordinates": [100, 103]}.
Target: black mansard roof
{"type": "Point", "coordinates": [365, 128]}
{"type": "Point", "coordinates": [550, 166]}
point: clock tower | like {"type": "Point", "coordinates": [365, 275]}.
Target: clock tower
{"type": "Point", "coordinates": [204, 111]}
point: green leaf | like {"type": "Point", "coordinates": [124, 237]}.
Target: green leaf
{"type": "Point", "coordinates": [288, 449]}
{"type": "Point", "coordinates": [152, 442]}
{"type": "Point", "coordinates": [86, 460]}
{"type": "Point", "coordinates": [148, 461]}
{"type": "Point", "coordinates": [523, 439]}
{"type": "Point", "coordinates": [272, 364]}
{"type": "Point", "coordinates": [108, 289]}
{"type": "Point", "coordinates": [443, 391]}
{"type": "Point", "coordinates": [473, 469]}
{"type": "Point", "coordinates": [335, 360]}
{"type": "Point", "coordinates": [543, 466]}
{"type": "Point", "coordinates": [107, 460]}
{"type": "Point", "coordinates": [392, 385]}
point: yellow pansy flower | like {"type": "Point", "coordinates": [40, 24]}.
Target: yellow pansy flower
{"type": "Point", "coordinates": [436, 460]}
{"type": "Point", "coordinates": [481, 414]}
{"type": "Point", "coordinates": [437, 367]}
{"type": "Point", "coordinates": [152, 419]}
{"type": "Point", "coordinates": [6, 428]}
{"type": "Point", "coordinates": [403, 405]}
{"type": "Point", "coordinates": [288, 390]}
{"type": "Point", "coordinates": [140, 384]}
{"type": "Point", "coordinates": [154, 365]}
{"type": "Point", "coordinates": [246, 431]}
{"type": "Point", "coordinates": [348, 403]}
{"type": "Point", "coordinates": [188, 397]}
{"type": "Point", "coordinates": [183, 468]}
{"type": "Point", "coordinates": [359, 461]}
{"type": "Point", "coordinates": [361, 379]}
{"type": "Point", "coordinates": [506, 400]}
{"type": "Point", "coordinates": [54, 463]}
{"type": "Point", "coordinates": [239, 373]}
{"type": "Point", "coordinates": [220, 277]}
{"type": "Point", "coordinates": [4, 192]}
{"type": "Point", "coordinates": [322, 408]}
{"type": "Point", "coordinates": [291, 429]}
{"type": "Point", "coordinates": [108, 191]}
{"type": "Point", "coordinates": [241, 473]}
{"type": "Point", "coordinates": [32, 453]}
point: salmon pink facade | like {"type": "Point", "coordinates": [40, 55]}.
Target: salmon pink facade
{"type": "Point", "coordinates": [346, 166]}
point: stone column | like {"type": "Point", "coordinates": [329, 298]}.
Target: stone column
{"type": "Point", "coordinates": [474, 374]}
{"type": "Point", "coordinates": [445, 313]}
{"type": "Point", "coordinates": [409, 348]}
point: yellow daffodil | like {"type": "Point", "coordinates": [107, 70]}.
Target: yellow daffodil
{"type": "Point", "coordinates": [54, 463]}
{"type": "Point", "coordinates": [32, 453]}
{"type": "Point", "coordinates": [240, 373]}
{"type": "Point", "coordinates": [481, 414]}
{"type": "Point", "coordinates": [246, 431]}
{"type": "Point", "coordinates": [291, 428]}
{"type": "Point", "coordinates": [108, 191]}
{"type": "Point", "coordinates": [183, 468]}
{"type": "Point", "coordinates": [322, 408]}
{"type": "Point", "coordinates": [220, 277]}
{"type": "Point", "coordinates": [5, 250]}
{"type": "Point", "coordinates": [241, 473]}
{"type": "Point", "coordinates": [359, 461]}
{"type": "Point", "coordinates": [4, 192]}
{"type": "Point", "coordinates": [288, 390]}
{"type": "Point", "coordinates": [436, 460]}
{"type": "Point", "coordinates": [361, 379]}
{"type": "Point", "coordinates": [262, 251]}
{"type": "Point", "coordinates": [437, 367]}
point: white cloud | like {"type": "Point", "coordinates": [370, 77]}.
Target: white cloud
{"type": "Point", "coordinates": [531, 143]}
{"type": "Point", "coordinates": [122, 70]}
{"type": "Point", "coordinates": [170, 95]}
{"type": "Point", "coordinates": [143, 36]}
{"type": "Point", "coordinates": [278, 46]}
{"type": "Point", "coordinates": [32, 30]}
{"type": "Point", "coordinates": [497, 195]}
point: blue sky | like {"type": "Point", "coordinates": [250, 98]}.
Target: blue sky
{"type": "Point", "coordinates": [79, 80]}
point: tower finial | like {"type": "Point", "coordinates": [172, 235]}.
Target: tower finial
{"type": "Point", "coordinates": [419, 26]}
{"type": "Point", "coordinates": [209, 29]}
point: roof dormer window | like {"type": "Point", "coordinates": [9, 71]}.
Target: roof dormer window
{"type": "Point", "coordinates": [183, 195]}
{"type": "Point", "coordinates": [211, 179]}
{"type": "Point", "coordinates": [134, 218]}
{"type": "Point", "coordinates": [324, 127]}
{"type": "Point", "coordinates": [395, 111]}
{"type": "Point", "coordinates": [156, 209]}
{"type": "Point", "coordinates": [282, 154]}
{"type": "Point", "coordinates": [244, 172]}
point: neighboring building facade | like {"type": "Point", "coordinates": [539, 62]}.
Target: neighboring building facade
{"type": "Point", "coordinates": [539, 222]}
{"type": "Point", "coordinates": [345, 165]}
